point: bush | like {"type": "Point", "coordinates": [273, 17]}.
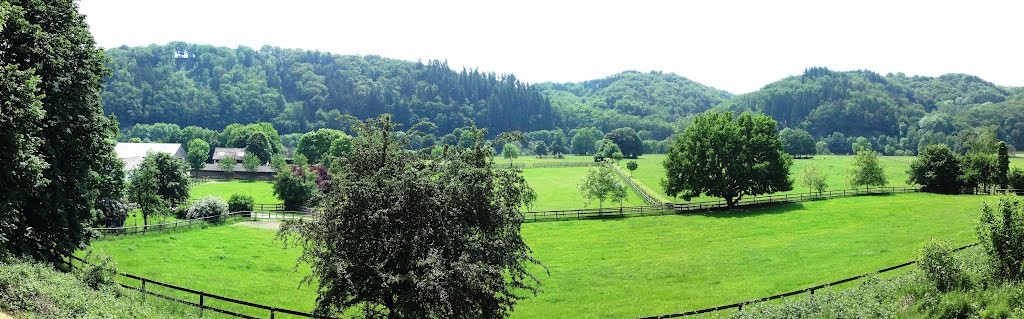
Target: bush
{"type": "Point", "coordinates": [100, 274]}
{"type": "Point", "coordinates": [1001, 234]}
{"type": "Point", "coordinates": [295, 186]}
{"type": "Point", "coordinates": [111, 213]}
{"type": "Point", "coordinates": [209, 206]}
{"type": "Point", "coordinates": [34, 290]}
{"type": "Point", "coordinates": [239, 203]}
{"type": "Point", "coordinates": [180, 212]}
{"type": "Point", "coordinates": [938, 264]}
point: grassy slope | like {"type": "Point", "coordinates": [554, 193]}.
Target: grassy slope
{"type": "Point", "coordinates": [614, 268]}
{"type": "Point", "coordinates": [650, 172]}
{"type": "Point", "coordinates": [262, 192]}
{"type": "Point", "coordinates": [556, 189]}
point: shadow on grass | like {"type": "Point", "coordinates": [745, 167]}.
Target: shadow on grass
{"type": "Point", "coordinates": [770, 208]}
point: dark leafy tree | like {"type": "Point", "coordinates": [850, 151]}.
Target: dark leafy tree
{"type": "Point", "coordinates": [109, 185]}
{"type": "Point", "coordinates": [295, 186]}
{"type": "Point", "coordinates": [729, 157]}
{"type": "Point", "coordinates": [50, 63]}
{"type": "Point", "coordinates": [584, 139]}
{"type": "Point", "coordinates": [937, 169]}
{"type": "Point", "coordinates": [627, 140]}
{"type": "Point", "coordinates": [198, 152]}
{"type": "Point", "coordinates": [1002, 165]}
{"type": "Point", "coordinates": [797, 142]}
{"type": "Point", "coordinates": [979, 171]}
{"type": "Point", "coordinates": [251, 163]}
{"type": "Point", "coordinates": [397, 223]}
{"type": "Point", "coordinates": [172, 176]}
{"type": "Point", "coordinates": [632, 166]}
{"type": "Point", "coordinates": [540, 149]}
{"type": "Point", "coordinates": [259, 145]}
{"type": "Point", "coordinates": [317, 144]}
{"type": "Point", "coordinates": [559, 143]}
{"type": "Point", "coordinates": [341, 147]}
{"type": "Point", "coordinates": [607, 149]}
{"type": "Point", "coordinates": [144, 190]}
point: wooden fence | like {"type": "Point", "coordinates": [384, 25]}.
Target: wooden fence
{"type": "Point", "coordinates": [199, 298]}
{"type": "Point", "coordinates": [649, 198]}
{"type": "Point", "coordinates": [188, 223]}
{"type": "Point", "coordinates": [500, 165]}
{"type": "Point", "coordinates": [704, 206]}
{"type": "Point", "coordinates": [739, 305]}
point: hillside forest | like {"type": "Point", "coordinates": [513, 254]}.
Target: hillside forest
{"type": "Point", "coordinates": [179, 91]}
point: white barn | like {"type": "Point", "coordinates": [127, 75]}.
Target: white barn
{"type": "Point", "coordinates": [133, 153]}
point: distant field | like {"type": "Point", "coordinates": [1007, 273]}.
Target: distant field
{"type": "Point", "coordinates": [650, 171]}
{"type": "Point", "coordinates": [262, 192]}
{"type": "Point", "coordinates": [612, 268]}
{"type": "Point", "coordinates": [135, 219]}
{"type": "Point", "coordinates": [546, 159]}
{"type": "Point", "coordinates": [556, 189]}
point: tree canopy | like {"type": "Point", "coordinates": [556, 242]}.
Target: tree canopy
{"type": "Point", "coordinates": [50, 66]}
{"type": "Point", "coordinates": [729, 157]}
{"type": "Point", "coordinates": [396, 223]}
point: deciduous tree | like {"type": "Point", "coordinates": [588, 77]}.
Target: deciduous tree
{"type": "Point", "coordinates": [866, 171]}
{"type": "Point", "coordinates": [797, 142]}
{"type": "Point", "coordinates": [814, 179]}
{"type": "Point", "coordinates": [510, 152]}
{"type": "Point", "coordinates": [627, 140]}
{"type": "Point", "coordinates": [251, 163]}
{"type": "Point", "coordinates": [602, 184]}
{"type": "Point", "coordinates": [396, 224]}
{"type": "Point", "coordinates": [729, 157]}
{"type": "Point", "coordinates": [198, 152]}
{"type": "Point", "coordinates": [936, 169]}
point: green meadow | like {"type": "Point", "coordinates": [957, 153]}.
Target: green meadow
{"type": "Point", "coordinates": [614, 268]}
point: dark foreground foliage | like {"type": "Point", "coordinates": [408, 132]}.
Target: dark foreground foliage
{"type": "Point", "coordinates": [409, 235]}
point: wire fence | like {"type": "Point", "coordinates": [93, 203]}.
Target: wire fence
{"type": "Point", "coordinates": [739, 305]}
{"type": "Point", "coordinates": [196, 298]}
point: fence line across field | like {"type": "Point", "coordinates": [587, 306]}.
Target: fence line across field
{"type": "Point", "coordinates": [704, 206]}
{"type": "Point", "coordinates": [132, 230]}
{"type": "Point", "coordinates": [202, 296]}
{"type": "Point", "coordinates": [739, 305]}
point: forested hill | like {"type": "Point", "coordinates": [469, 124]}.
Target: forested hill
{"type": "Point", "coordinates": [864, 103]}
{"type": "Point", "coordinates": [655, 101]}
{"type": "Point", "coordinates": [298, 91]}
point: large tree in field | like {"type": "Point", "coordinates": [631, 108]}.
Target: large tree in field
{"type": "Point", "coordinates": [937, 169]}
{"type": "Point", "coordinates": [627, 140]}
{"type": "Point", "coordinates": [797, 142]}
{"type": "Point", "coordinates": [602, 184]}
{"type": "Point", "coordinates": [405, 235]}
{"type": "Point", "coordinates": [172, 176]}
{"type": "Point", "coordinates": [729, 157]}
{"type": "Point", "coordinates": [866, 171]}
{"type": "Point", "coordinates": [48, 54]}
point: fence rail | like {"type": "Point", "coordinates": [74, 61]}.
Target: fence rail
{"type": "Point", "coordinates": [201, 296]}
{"type": "Point", "coordinates": [187, 223]}
{"type": "Point", "coordinates": [501, 165]}
{"type": "Point", "coordinates": [809, 290]}
{"type": "Point", "coordinates": [650, 199]}
{"type": "Point", "coordinates": [704, 206]}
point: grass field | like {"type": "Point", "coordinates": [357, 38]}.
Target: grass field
{"type": "Point", "coordinates": [556, 189]}
{"type": "Point", "coordinates": [262, 192]}
{"type": "Point", "coordinates": [650, 172]}
{"type": "Point", "coordinates": [613, 268]}
{"type": "Point", "coordinates": [546, 159]}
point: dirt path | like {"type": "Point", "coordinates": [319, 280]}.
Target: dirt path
{"type": "Point", "coordinates": [262, 224]}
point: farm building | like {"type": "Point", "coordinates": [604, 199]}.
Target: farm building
{"type": "Point", "coordinates": [223, 152]}
{"type": "Point", "coordinates": [133, 153]}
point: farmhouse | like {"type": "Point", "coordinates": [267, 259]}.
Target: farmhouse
{"type": "Point", "coordinates": [133, 153]}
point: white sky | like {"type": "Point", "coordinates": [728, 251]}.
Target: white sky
{"type": "Point", "coordinates": [738, 46]}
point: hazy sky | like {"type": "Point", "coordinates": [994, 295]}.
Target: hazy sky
{"type": "Point", "coordinates": [737, 46]}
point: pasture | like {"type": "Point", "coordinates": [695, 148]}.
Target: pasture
{"type": "Point", "coordinates": [650, 172]}
{"type": "Point", "coordinates": [262, 192]}
{"type": "Point", "coordinates": [613, 268]}
{"type": "Point", "coordinates": [556, 189]}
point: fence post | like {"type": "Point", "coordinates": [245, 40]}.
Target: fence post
{"type": "Point", "coordinates": [202, 302]}
{"type": "Point", "coordinates": [272, 310]}
{"type": "Point", "coordinates": [143, 288]}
